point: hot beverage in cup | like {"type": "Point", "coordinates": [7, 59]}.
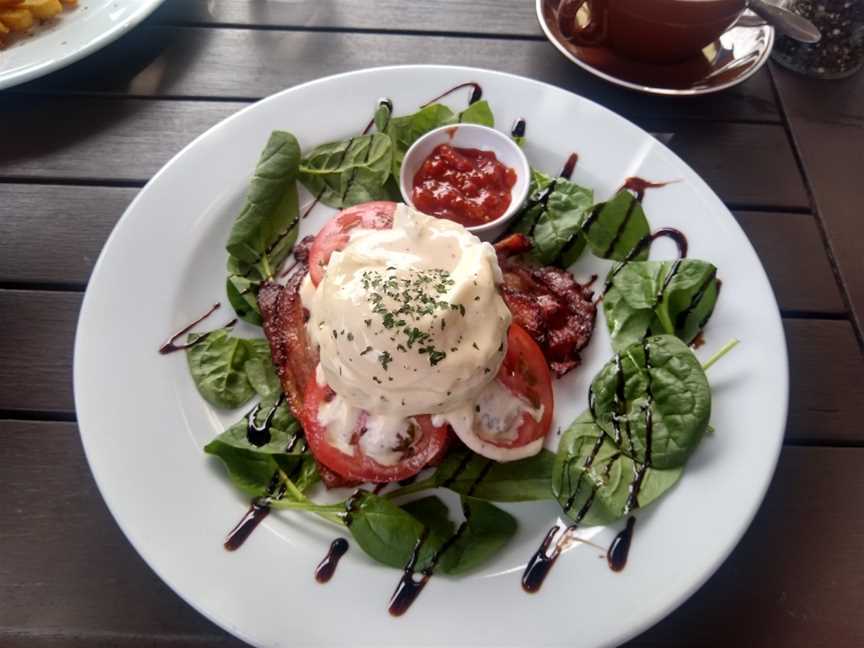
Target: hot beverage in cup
{"type": "Point", "coordinates": [655, 31]}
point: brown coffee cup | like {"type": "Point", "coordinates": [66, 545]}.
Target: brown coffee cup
{"type": "Point", "coordinates": [655, 31]}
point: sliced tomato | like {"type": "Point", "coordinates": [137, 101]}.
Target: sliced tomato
{"type": "Point", "coordinates": [335, 234]}
{"type": "Point", "coordinates": [525, 373]}
{"type": "Point", "coordinates": [429, 442]}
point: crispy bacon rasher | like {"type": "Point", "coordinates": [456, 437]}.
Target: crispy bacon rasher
{"type": "Point", "coordinates": [293, 356]}
{"type": "Point", "coordinates": [548, 302]}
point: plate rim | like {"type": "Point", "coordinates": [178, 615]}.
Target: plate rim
{"type": "Point", "coordinates": [38, 70]}
{"type": "Point", "coordinates": [648, 89]}
{"type": "Point", "coordinates": [638, 628]}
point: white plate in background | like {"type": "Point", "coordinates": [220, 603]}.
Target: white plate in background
{"type": "Point", "coordinates": [74, 34]}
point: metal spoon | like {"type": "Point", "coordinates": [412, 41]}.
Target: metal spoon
{"type": "Point", "coordinates": [786, 22]}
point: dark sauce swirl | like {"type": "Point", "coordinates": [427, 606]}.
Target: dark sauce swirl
{"type": "Point", "coordinates": [518, 128]}
{"type": "Point", "coordinates": [410, 586]}
{"type": "Point", "coordinates": [171, 345]}
{"type": "Point", "coordinates": [327, 567]}
{"type": "Point", "coordinates": [618, 551]}
{"type": "Point", "coordinates": [543, 559]}
{"type": "Point", "coordinates": [476, 93]}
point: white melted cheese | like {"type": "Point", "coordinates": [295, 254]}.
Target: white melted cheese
{"type": "Point", "coordinates": [409, 320]}
{"type": "Point", "coordinates": [494, 418]}
{"type": "Point", "coordinates": [384, 438]}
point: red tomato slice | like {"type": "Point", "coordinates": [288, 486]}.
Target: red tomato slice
{"type": "Point", "coordinates": [525, 373]}
{"type": "Point", "coordinates": [334, 235]}
{"type": "Point", "coordinates": [429, 446]}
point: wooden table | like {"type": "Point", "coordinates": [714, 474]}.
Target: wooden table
{"type": "Point", "coordinates": [784, 152]}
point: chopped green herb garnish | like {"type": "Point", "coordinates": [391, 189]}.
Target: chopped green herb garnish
{"type": "Point", "coordinates": [385, 359]}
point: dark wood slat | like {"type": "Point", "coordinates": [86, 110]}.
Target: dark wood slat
{"type": "Point", "coordinates": [453, 16]}
{"type": "Point", "coordinates": [71, 222]}
{"type": "Point", "coordinates": [98, 591]}
{"type": "Point", "coordinates": [746, 164]}
{"type": "Point", "coordinates": [118, 141]}
{"type": "Point", "coordinates": [129, 139]}
{"type": "Point", "coordinates": [36, 344]}
{"type": "Point", "coordinates": [805, 285]}
{"type": "Point", "coordinates": [826, 372]}
{"type": "Point", "coordinates": [67, 570]}
{"type": "Point", "coordinates": [826, 365]}
{"type": "Point", "coordinates": [827, 124]}
{"type": "Point", "coordinates": [249, 64]}
{"type": "Point", "coordinates": [839, 102]}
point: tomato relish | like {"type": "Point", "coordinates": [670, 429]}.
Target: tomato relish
{"type": "Point", "coordinates": [469, 186]}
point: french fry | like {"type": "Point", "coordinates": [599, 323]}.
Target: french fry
{"type": "Point", "coordinates": [18, 16]}
{"type": "Point", "coordinates": [42, 9]}
{"type": "Point", "coordinates": [18, 20]}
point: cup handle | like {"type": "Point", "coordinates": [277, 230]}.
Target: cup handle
{"type": "Point", "coordinates": [593, 33]}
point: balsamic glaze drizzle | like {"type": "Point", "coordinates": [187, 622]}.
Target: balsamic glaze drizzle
{"type": "Point", "coordinates": [476, 93]}
{"type": "Point", "coordinates": [259, 509]}
{"type": "Point", "coordinates": [616, 556]}
{"type": "Point", "coordinates": [327, 567]}
{"type": "Point", "coordinates": [639, 185]}
{"type": "Point", "coordinates": [697, 298]}
{"type": "Point", "coordinates": [409, 587]}
{"type": "Point", "coordinates": [543, 559]}
{"type": "Point", "coordinates": [669, 232]}
{"type": "Point", "coordinates": [170, 346]}
{"type": "Point", "coordinates": [543, 197]}
{"type": "Point", "coordinates": [259, 435]}
{"type": "Point", "coordinates": [518, 128]}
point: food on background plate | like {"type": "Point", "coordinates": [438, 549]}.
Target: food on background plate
{"type": "Point", "coordinates": [17, 17]}
{"type": "Point", "coordinates": [404, 352]}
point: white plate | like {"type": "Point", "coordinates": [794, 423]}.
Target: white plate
{"type": "Point", "coordinates": [143, 423]}
{"type": "Point", "coordinates": [71, 36]}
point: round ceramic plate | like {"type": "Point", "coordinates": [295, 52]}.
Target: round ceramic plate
{"type": "Point", "coordinates": [71, 36]}
{"type": "Point", "coordinates": [144, 425]}
{"type": "Point", "coordinates": [734, 57]}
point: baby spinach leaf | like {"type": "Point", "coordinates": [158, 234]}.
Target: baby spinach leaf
{"type": "Point", "coordinates": [434, 515]}
{"type": "Point", "coordinates": [261, 374]}
{"type": "Point", "coordinates": [346, 173]}
{"type": "Point", "coordinates": [389, 533]}
{"type": "Point", "coordinates": [386, 532]}
{"type": "Point", "coordinates": [604, 474]}
{"type": "Point", "coordinates": [271, 201]}
{"type": "Point", "coordinates": [487, 529]}
{"type": "Point", "coordinates": [217, 364]}
{"type": "Point", "coordinates": [251, 468]}
{"type": "Point", "coordinates": [265, 230]}
{"type": "Point", "coordinates": [561, 221]}
{"type": "Point", "coordinates": [662, 375]}
{"type": "Point", "coordinates": [674, 297]}
{"type": "Point", "coordinates": [406, 130]}
{"type": "Point", "coordinates": [517, 481]}
{"type": "Point", "coordinates": [617, 226]}
{"type": "Point", "coordinates": [554, 216]}
{"type": "Point", "coordinates": [478, 112]}
{"type": "Point", "coordinates": [242, 290]}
